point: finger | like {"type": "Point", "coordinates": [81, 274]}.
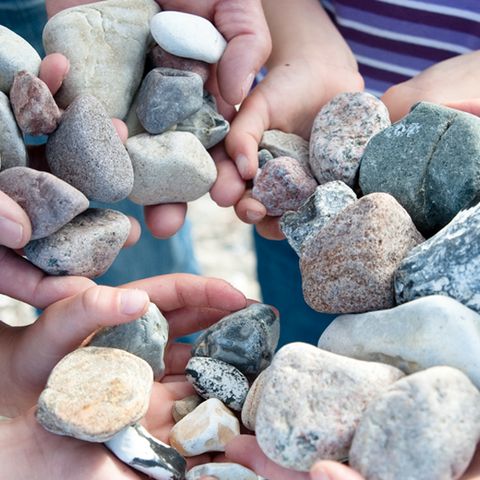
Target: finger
{"type": "Point", "coordinates": [204, 8]}
{"type": "Point", "coordinates": [163, 221]}
{"type": "Point", "coordinates": [135, 232]}
{"type": "Point", "coordinates": [224, 108]}
{"type": "Point", "coordinates": [250, 210]}
{"type": "Point", "coordinates": [269, 228]}
{"type": "Point", "coordinates": [121, 129]}
{"type": "Point", "coordinates": [333, 471]}
{"type": "Point", "coordinates": [176, 358]}
{"type": "Point", "coordinates": [470, 106]}
{"type": "Point", "coordinates": [53, 71]}
{"type": "Point", "coordinates": [15, 227]}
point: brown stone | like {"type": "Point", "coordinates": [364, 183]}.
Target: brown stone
{"type": "Point", "coordinates": [181, 408]}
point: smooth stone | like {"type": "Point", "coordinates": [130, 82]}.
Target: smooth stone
{"type": "Point", "coordinates": [106, 44]}
{"type": "Point", "coordinates": [325, 204]}
{"type": "Point", "coordinates": [281, 144]}
{"type": "Point", "coordinates": [49, 202]}
{"type": "Point", "coordinates": [426, 332]}
{"type": "Point", "coordinates": [425, 426]}
{"type": "Point", "coordinates": [86, 152]}
{"type": "Point", "coordinates": [145, 453]}
{"type": "Point", "coordinates": [446, 264]}
{"type": "Point", "coordinates": [213, 378]}
{"type": "Point", "coordinates": [250, 406]}
{"type": "Point", "coordinates": [86, 246]}
{"type": "Point", "coordinates": [348, 266]}
{"type": "Point", "coordinates": [429, 161]}
{"type": "Point", "coordinates": [33, 105]}
{"type": "Point", "coordinates": [16, 54]}
{"type": "Point", "coordinates": [169, 168]}
{"type": "Point", "coordinates": [189, 36]}
{"type": "Point", "coordinates": [208, 428]}
{"type": "Point", "coordinates": [168, 97]}
{"type": "Point", "coordinates": [12, 147]}
{"type": "Point", "coordinates": [93, 393]}
{"type": "Point", "coordinates": [206, 124]}
{"type": "Point", "coordinates": [312, 402]}
{"type": "Point", "coordinates": [181, 408]}
{"type": "Point", "coordinates": [146, 337]}
{"type": "Point", "coordinates": [340, 133]}
{"type": "Point", "coordinates": [264, 156]}
{"type": "Point", "coordinates": [246, 339]}
{"type": "Point", "coordinates": [282, 185]}
{"type": "Point", "coordinates": [221, 471]}
{"type": "Point", "coordinates": [161, 58]}
{"type": "Point", "coordinates": [133, 123]}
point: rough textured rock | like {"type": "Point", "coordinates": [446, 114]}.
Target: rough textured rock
{"type": "Point", "coordinates": [424, 426]}
{"type": "Point", "coordinates": [326, 203]}
{"type": "Point", "coordinates": [213, 378]}
{"type": "Point", "coordinates": [146, 337]}
{"type": "Point", "coordinates": [168, 97]}
{"type": "Point", "coordinates": [145, 453]}
{"type": "Point", "coordinates": [168, 168]}
{"type": "Point", "coordinates": [13, 152]}
{"type": "Point", "coordinates": [49, 202]}
{"type": "Point", "coordinates": [181, 408]}
{"type": "Point", "coordinates": [221, 471]}
{"type": "Point", "coordinates": [312, 402]}
{"type": "Point", "coordinates": [246, 339]}
{"type": "Point", "coordinates": [207, 429]}
{"type": "Point", "coordinates": [33, 105]}
{"type": "Point", "coordinates": [426, 332]}
{"type": "Point", "coordinates": [106, 43]}
{"type": "Point", "coordinates": [429, 161]}
{"type": "Point", "coordinates": [264, 156]}
{"type": "Point", "coordinates": [189, 36]}
{"type": "Point", "coordinates": [348, 266]}
{"type": "Point", "coordinates": [93, 393]}
{"type": "Point", "coordinates": [250, 406]}
{"type": "Point", "coordinates": [341, 131]}
{"type": "Point", "coordinates": [86, 246]}
{"type": "Point", "coordinates": [446, 264]}
{"type": "Point", "coordinates": [281, 144]}
{"type": "Point", "coordinates": [16, 54]}
{"type": "Point", "coordinates": [86, 152]}
{"type": "Point", "coordinates": [282, 185]}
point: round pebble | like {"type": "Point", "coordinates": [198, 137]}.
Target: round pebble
{"type": "Point", "coordinates": [221, 471]}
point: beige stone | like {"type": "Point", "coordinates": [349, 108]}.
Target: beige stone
{"type": "Point", "coordinates": [181, 408]}
{"type": "Point", "coordinates": [250, 406]}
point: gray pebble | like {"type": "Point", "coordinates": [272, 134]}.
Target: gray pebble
{"type": "Point", "coordinates": [221, 471]}
{"type": "Point", "coordinates": [264, 156]}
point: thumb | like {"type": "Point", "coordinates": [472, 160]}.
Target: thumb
{"type": "Point", "coordinates": [328, 470]}
{"type": "Point", "coordinates": [15, 228]}
{"type": "Point", "coordinates": [470, 106]}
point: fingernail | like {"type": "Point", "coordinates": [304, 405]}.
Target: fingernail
{"type": "Point", "coordinates": [243, 166]}
{"type": "Point", "coordinates": [133, 301]}
{"type": "Point", "coordinates": [247, 84]}
{"type": "Point", "coordinates": [11, 233]}
{"type": "Point", "coordinates": [67, 71]}
{"type": "Point", "coordinates": [319, 474]}
{"type": "Point", "coordinates": [254, 216]}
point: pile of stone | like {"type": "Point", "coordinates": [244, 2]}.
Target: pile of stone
{"type": "Point", "coordinates": [116, 70]}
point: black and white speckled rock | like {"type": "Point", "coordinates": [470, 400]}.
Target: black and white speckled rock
{"type": "Point", "coordinates": [340, 133]}
{"type": "Point", "coordinates": [86, 246]}
{"type": "Point", "coordinates": [49, 202]}
{"type": "Point", "coordinates": [250, 406]}
{"type": "Point", "coordinates": [328, 200]}
{"type": "Point", "coordinates": [425, 426]}
{"type": "Point", "coordinates": [221, 471]}
{"type": "Point", "coordinates": [181, 408]}
{"type": "Point", "coordinates": [145, 453]}
{"type": "Point", "coordinates": [146, 337]}
{"type": "Point", "coordinates": [446, 264]}
{"type": "Point", "coordinates": [87, 153]}
{"type": "Point", "coordinates": [213, 378]}
{"type": "Point", "coordinates": [246, 339]}
{"type": "Point", "coordinates": [168, 97]}
{"type": "Point", "coordinates": [281, 144]}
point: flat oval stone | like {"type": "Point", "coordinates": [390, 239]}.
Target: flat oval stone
{"type": "Point", "coordinates": [208, 428]}
{"type": "Point", "coordinates": [221, 471]}
{"type": "Point", "coordinates": [106, 44]}
{"type": "Point", "coordinates": [429, 331]}
{"type": "Point", "coordinates": [246, 339]}
{"type": "Point", "coordinates": [424, 426]}
{"type": "Point", "coordinates": [250, 406]}
{"type": "Point", "coordinates": [283, 185]}
{"type": "Point", "coordinates": [13, 152]}
{"type": "Point", "coordinates": [216, 379]}
{"type": "Point", "coordinates": [168, 97]}
{"type": "Point", "coordinates": [348, 266]}
{"type": "Point", "coordinates": [312, 402]}
{"type": "Point", "coordinates": [281, 144]}
{"type": "Point", "coordinates": [181, 408]}
{"type": "Point", "coordinates": [340, 133]}
{"type": "Point", "coordinates": [169, 168]}
{"type": "Point", "coordinates": [49, 202]}
{"type": "Point", "coordinates": [16, 54]}
{"type": "Point", "coordinates": [86, 152]}
{"type": "Point", "coordinates": [86, 246]}
{"type": "Point", "coordinates": [145, 337]}
{"type": "Point", "coordinates": [188, 36]}
{"type": "Point", "coordinates": [93, 393]}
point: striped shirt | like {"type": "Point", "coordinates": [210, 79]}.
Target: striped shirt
{"type": "Point", "coordinates": [394, 40]}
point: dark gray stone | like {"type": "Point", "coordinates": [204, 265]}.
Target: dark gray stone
{"type": "Point", "coordinates": [86, 152]}
{"type": "Point", "coordinates": [429, 161]}
{"type": "Point", "coordinates": [168, 97]}
{"type": "Point", "coordinates": [86, 246]}
{"type": "Point", "coordinates": [213, 378]}
{"type": "Point", "coordinates": [246, 339]}
{"type": "Point", "coordinates": [49, 202]}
